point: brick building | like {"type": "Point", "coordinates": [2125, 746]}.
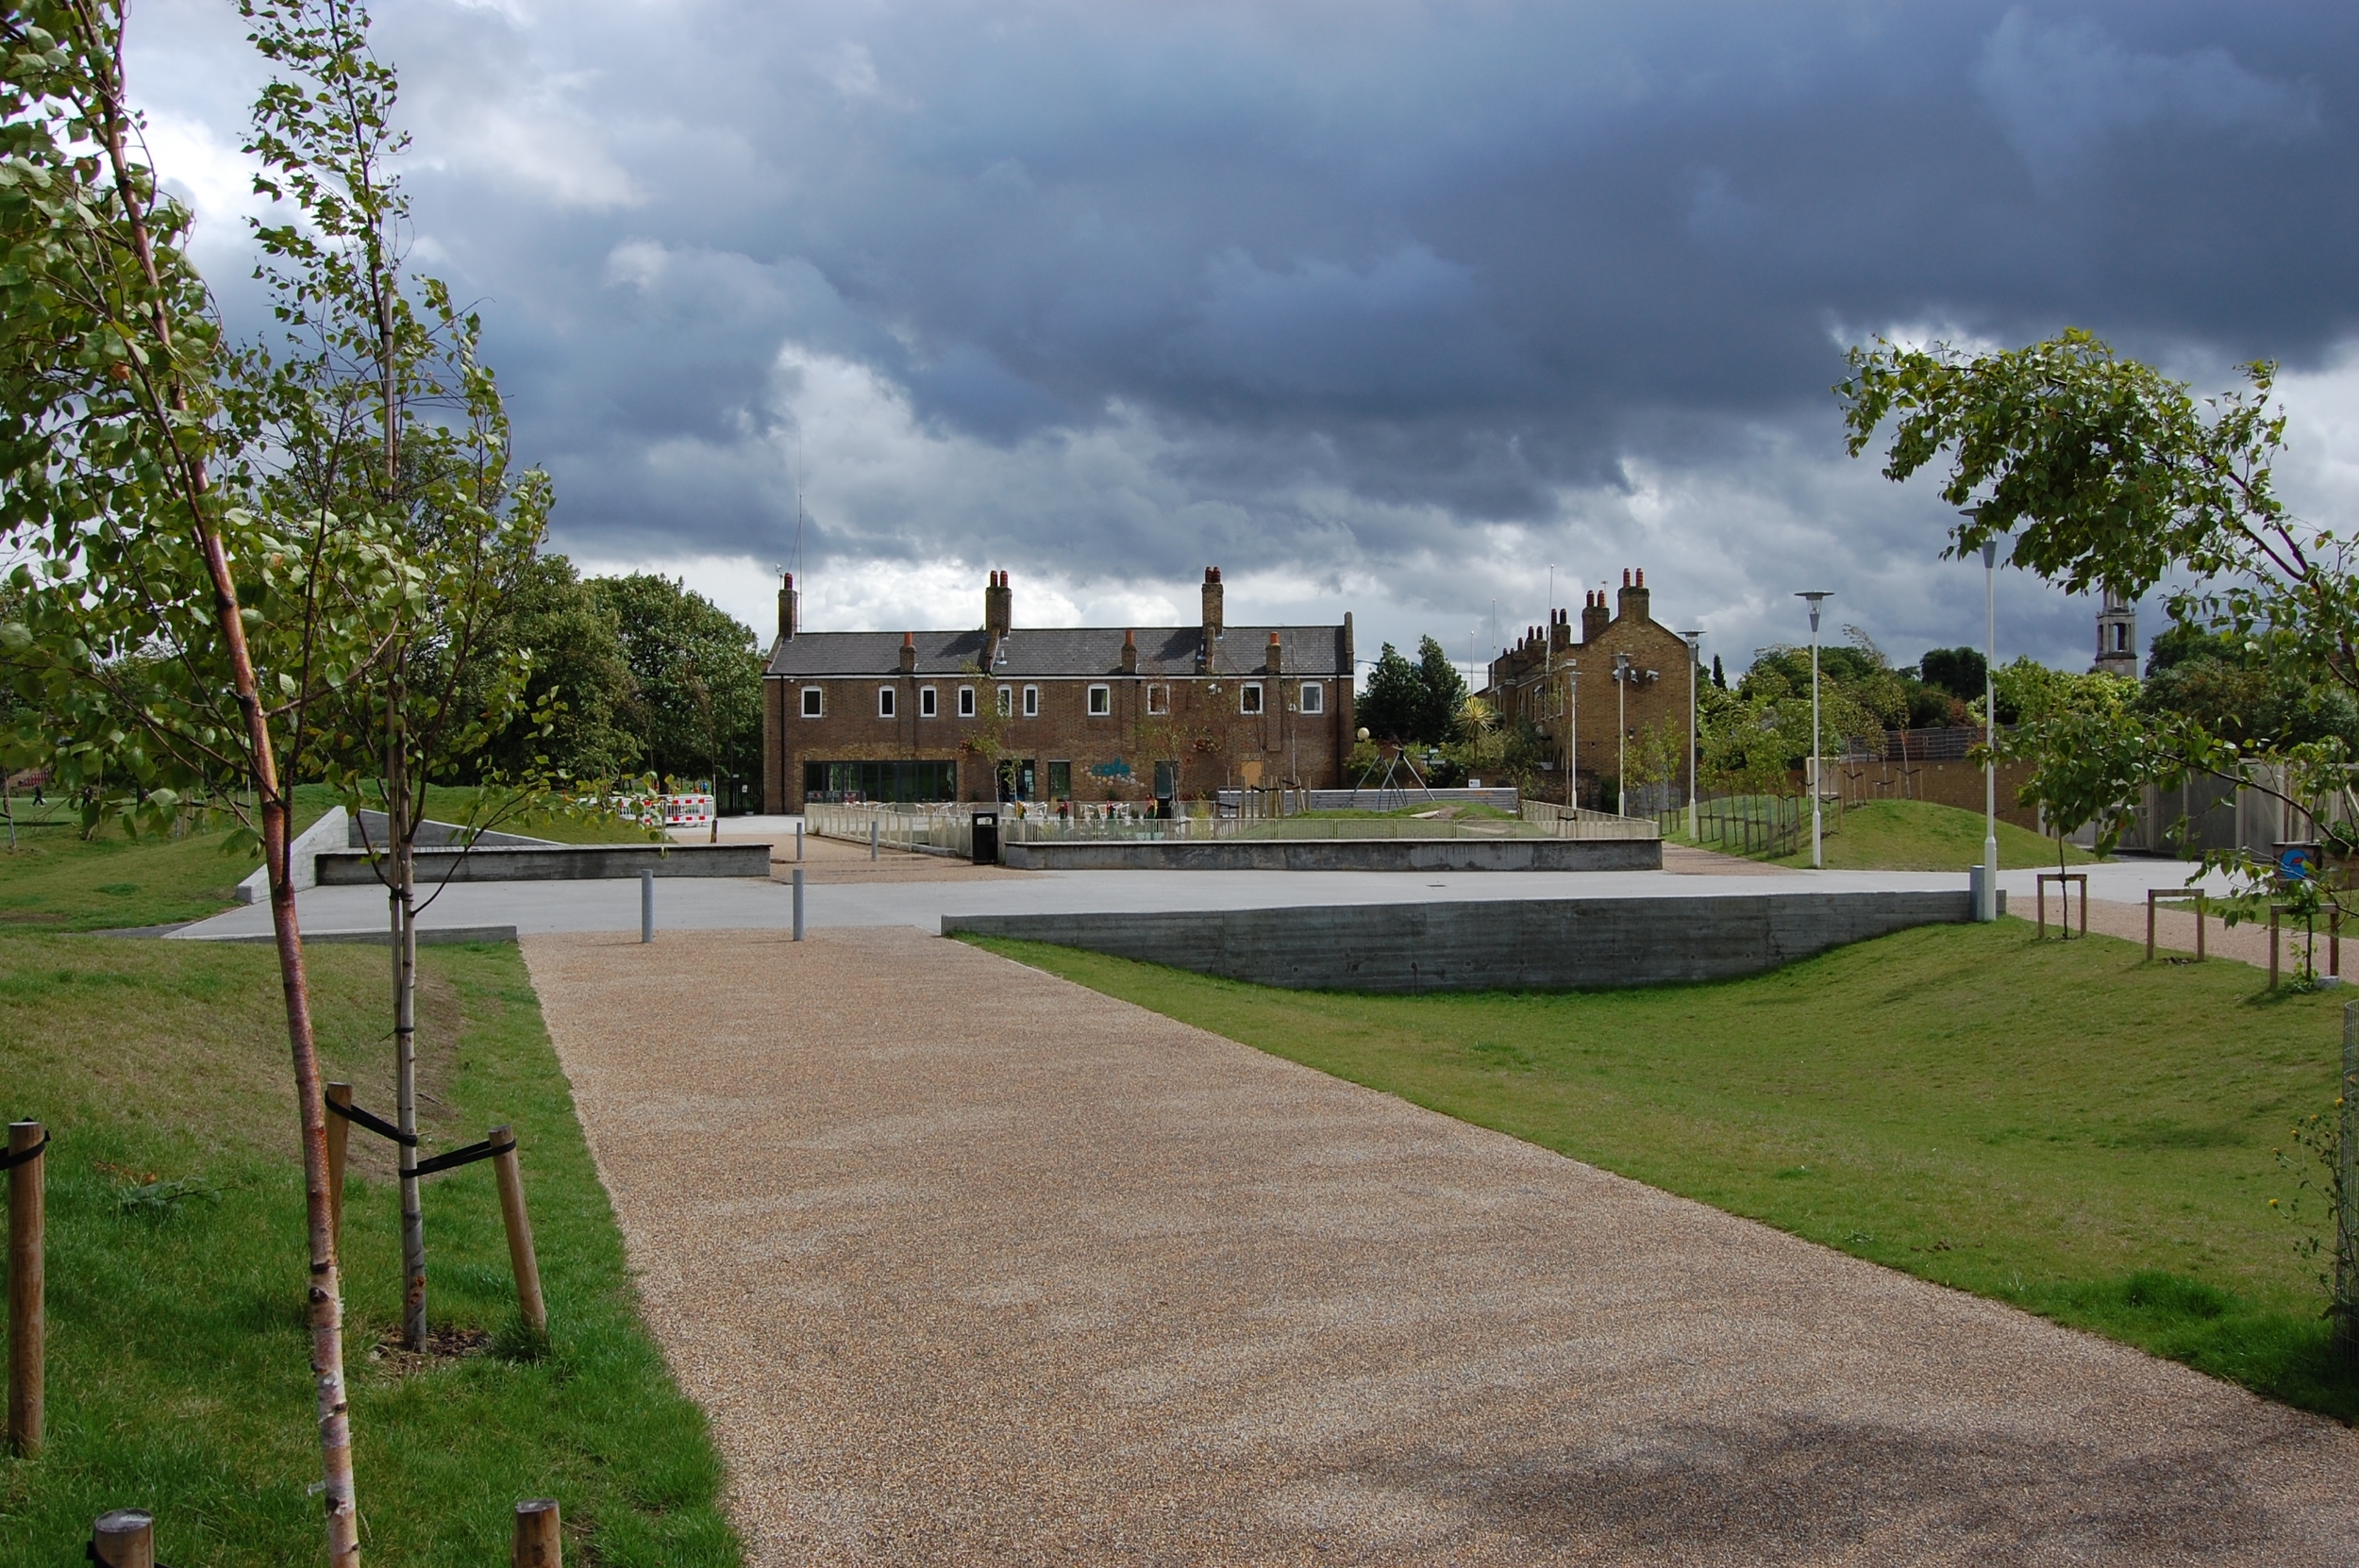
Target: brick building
{"type": "Point", "coordinates": [1055, 713]}
{"type": "Point", "coordinates": [1583, 697]}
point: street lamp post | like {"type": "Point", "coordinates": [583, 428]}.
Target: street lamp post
{"type": "Point", "coordinates": [1990, 732]}
{"type": "Point", "coordinates": [1695, 641]}
{"type": "Point", "coordinates": [1621, 734]}
{"type": "Point", "coordinates": [1818, 852]}
{"type": "Point", "coordinates": [1986, 902]}
{"type": "Point", "coordinates": [1572, 733]}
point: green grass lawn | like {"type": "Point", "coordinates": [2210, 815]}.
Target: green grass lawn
{"type": "Point", "coordinates": [177, 1353]}
{"type": "Point", "coordinates": [2059, 1125]}
{"type": "Point", "coordinates": [1917, 835]}
{"type": "Point", "coordinates": [57, 880]}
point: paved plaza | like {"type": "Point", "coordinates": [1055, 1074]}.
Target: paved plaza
{"type": "Point", "coordinates": [843, 889]}
{"type": "Point", "coordinates": [971, 1265]}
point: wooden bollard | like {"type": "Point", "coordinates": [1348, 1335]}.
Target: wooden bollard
{"type": "Point", "coordinates": [26, 1321]}
{"type": "Point", "coordinates": [338, 1130]}
{"type": "Point", "coordinates": [520, 1258]}
{"type": "Point", "coordinates": [539, 1541]}
{"type": "Point", "coordinates": [124, 1538]}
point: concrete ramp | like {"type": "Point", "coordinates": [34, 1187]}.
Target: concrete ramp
{"type": "Point", "coordinates": [1538, 944]}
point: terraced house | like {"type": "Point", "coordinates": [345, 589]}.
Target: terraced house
{"type": "Point", "coordinates": [1063, 713]}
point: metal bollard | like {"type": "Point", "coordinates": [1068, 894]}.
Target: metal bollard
{"type": "Point", "coordinates": [646, 906]}
{"type": "Point", "coordinates": [871, 837]}
{"type": "Point", "coordinates": [798, 902]}
{"type": "Point", "coordinates": [798, 841]}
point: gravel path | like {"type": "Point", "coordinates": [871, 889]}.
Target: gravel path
{"type": "Point", "coordinates": [971, 1266]}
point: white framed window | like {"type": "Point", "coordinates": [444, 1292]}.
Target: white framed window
{"type": "Point", "coordinates": [1314, 697]}
{"type": "Point", "coordinates": [967, 702]}
{"type": "Point", "coordinates": [1249, 697]}
{"type": "Point", "coordinates": [1101, 701]}
{"type": "Point", "coordinates": [814, 703]}
{"type": "Point", "coordinates": [1032, 702]}
{"type": "Point", "coordinates": [926, 701]}
{"type": "Point", "coordinates": [884, 702]}
{"type": "Point", "coordinates": [1007, 701]}
{"type": "Point", "coordinates": [1158, 698]}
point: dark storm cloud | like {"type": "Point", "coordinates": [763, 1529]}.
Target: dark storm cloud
{"type": "Point", "coordinates": [1370, 277]}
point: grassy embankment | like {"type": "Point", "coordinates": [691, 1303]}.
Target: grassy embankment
{"type": "Point", "coordinates": [2059, 1125]}
{"type": "Point", "coordinates": [177, 1362]}
{"type": "Point", "coordinates": [1914, 835]}
{"type": "Point", "coordinates": [177, 1353]}
{"type": "Point", "coordinates": [57, 880]}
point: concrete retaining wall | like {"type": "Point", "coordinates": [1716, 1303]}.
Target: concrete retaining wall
{"type": "Point", "coordinates": [1337, 855]}
{"type": "Point", "coordinates": [560, 863]}
{"type": "Point", "coordinates": [327, 833]}
{"type": "Point", "coordinates": [1540, 945]}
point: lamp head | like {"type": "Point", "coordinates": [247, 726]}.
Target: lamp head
{"type": "Point", "coordinates": [1816, 597]}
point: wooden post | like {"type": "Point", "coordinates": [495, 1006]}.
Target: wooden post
{"type": "Point", "coordinates": [2198, 927]}
{"type": "Point", "coordinates": [2272, 947]}
{"type": "Point", "coordinates": [2346, 1341]}
{"type": "Point", "coordinates": [338, 1130]}
{"type": "Point", "coordinates": [2149, 923]}
{"type": "Point", "coordinates": [520, 1258]}
{"type": "Point", "coordinates": [539, 1541]}
{"type": "Point", "coordinates": [123, 1539]}
{"type": "Point", "coordinates": [26, 1321]}
{"type": "Point", "coordinates": [2334, 940]}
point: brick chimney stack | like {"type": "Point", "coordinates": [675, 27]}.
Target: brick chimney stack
{"type": "Point", "coordinates": [998, 607]}
{"type": "Point", "coordinates": [789, 603]}
{"type": "Point", "coordinates": [1274, 660]}
{"type": "Point", "coordinates": [1215, 625]}
{"type": "Point", "coordinates": [1632, 600]}
{"type": "Point", "coordinates": [1561, 630]}
{"type": "Point", "coordinates": [1129, 652]}
{"type": "Point", "coordinates": [1595, 617]}
{"type": "Point", "coordinates": [908, 651]}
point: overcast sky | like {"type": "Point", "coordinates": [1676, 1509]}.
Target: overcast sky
{"type": "Point", "coordinates": [1377, 305]}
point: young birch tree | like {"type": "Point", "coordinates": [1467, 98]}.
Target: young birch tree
{"type": "Point", "coordinates": [380, 411]}
{"type": "Point", "coordinates": [174, 635]}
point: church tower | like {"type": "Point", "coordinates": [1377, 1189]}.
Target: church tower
{"type": "Point", "coordinates": [2117, 637]}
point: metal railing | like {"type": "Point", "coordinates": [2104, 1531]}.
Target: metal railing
{"type": "Point", "coordinates": [1574, 822]}
{"type": "Point", "coordinates": [1745, 825]}
{"type": "Point", "coordinates": [948, 830]}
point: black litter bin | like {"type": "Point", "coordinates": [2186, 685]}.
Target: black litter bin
{"type": "Point", "coordinates": [986, 837]}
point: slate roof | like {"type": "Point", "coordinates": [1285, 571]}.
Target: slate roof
{"type": "Point", "coordinates": [1054, 651]}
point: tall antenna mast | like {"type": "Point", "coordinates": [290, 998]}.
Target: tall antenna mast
{"type": "Point", "coordinates": [798, 500]}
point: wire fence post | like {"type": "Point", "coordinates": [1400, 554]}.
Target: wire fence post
{"type": "Point", "coordinates": [646, 906]}
{"type": "Point", "coordinates": [123, 1539]}
{"type": "Point", "coordinates": [539, 1538]}
{"type": "Point", "coordinates": [26, 1321]}
{"type": "Point", "coordinates": [519, 1225]}
{"type": "Point", "coordinates": [338, 1129]}
{"type": "Point", "coordinates": [798, 902]}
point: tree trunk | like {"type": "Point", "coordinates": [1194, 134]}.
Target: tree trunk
{"type": "Point", "coordinates": [324, 1291]}
{"type": "Point", "coordinates": [400, 831]}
